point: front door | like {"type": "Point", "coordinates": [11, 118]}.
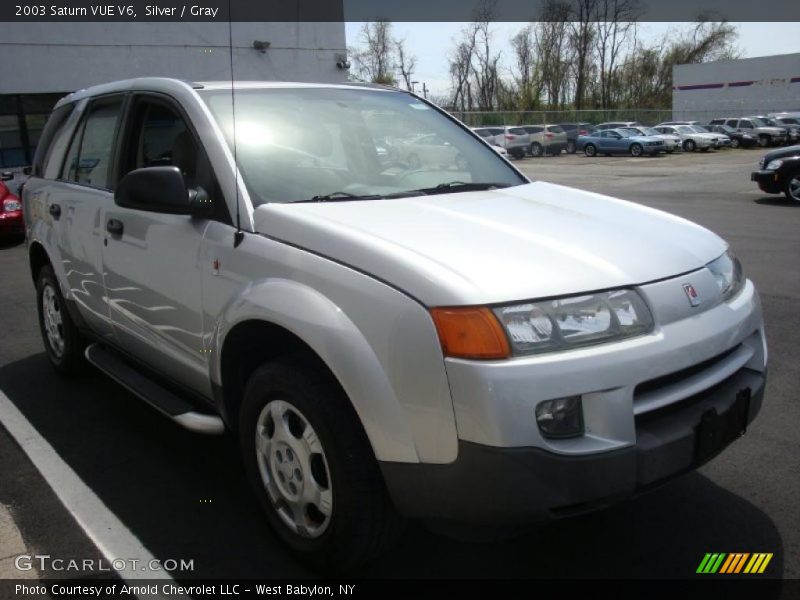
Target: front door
{"type": "Point", "coordinates": [152, 261]}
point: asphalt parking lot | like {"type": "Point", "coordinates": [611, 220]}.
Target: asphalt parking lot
{"type": "Point", "coordinates": [185, 496]}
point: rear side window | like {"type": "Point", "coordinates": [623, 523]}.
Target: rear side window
{"type": "Point", "coordinates": [496, 131]}
{"type": "Point", "coordinates": [534, 129]}
{"type": "Point", "coordinates": [570, 127]}
{"type": "Point", "coordinates": [555, 129]}
{"type": "Point", "coordinates": [517, 131]}
{"type": "Point", "coordinates": [44, 149]}
{"type": "Point", "coordinates": [90, 155]}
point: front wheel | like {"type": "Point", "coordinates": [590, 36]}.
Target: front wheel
{"type": "Point", "coordinates": [312, 467]}
{"type": "Point", "coordinates": [590, 150]}
{"type": "Point", "coordinates": [536, 149]}
{"type": "Point", "coordinates": [689, 146]}
{"type": "Point", "coordinates": [63, 342]}
{"type": "Point", "coordinates": [792, 187]}
{"type": "Point", "coordinates": [636, 149]}
{"type": "Point", "coordinates": [735, 143]}
{"type": "Point", "coordinates": [764, 141]}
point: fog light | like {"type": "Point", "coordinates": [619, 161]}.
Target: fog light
{"type": "Point", "coordinates": [562, 418]}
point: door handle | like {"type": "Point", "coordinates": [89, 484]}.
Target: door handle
{"type": "Point", "coordinates": [115, 227]}
{"type": "Point", "coordinates": [55, 211]}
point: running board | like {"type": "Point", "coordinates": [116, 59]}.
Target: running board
{"type": "Point", "coordinates": [160, 398]}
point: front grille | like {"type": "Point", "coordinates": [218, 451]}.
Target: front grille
{"type": "Point", "coordinates": [678, 376]}
{"type": "Point", "coordinates": [676, 388]}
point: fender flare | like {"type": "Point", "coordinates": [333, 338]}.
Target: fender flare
{"type": "Point", "coordinates": [329, 332]}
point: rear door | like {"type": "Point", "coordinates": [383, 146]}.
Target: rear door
{"type": "Point", "coordinates": [152, 260]}
{"type": "Point", "coordinates": [84, 190]}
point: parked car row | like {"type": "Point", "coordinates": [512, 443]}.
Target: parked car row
{"type": "Point", "coordinates": [632, 137]}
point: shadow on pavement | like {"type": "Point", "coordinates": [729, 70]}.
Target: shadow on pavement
{"type": "Point", "coordinates": [776, 201]}
{"type": "Point", "coordinates": [185, 496]}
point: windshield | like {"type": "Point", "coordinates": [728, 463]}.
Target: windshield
{"type": "Point", "coordinates": [317, 143]}
{"type": "Point", "coordinates": [685, 129]}
{"type": "Point", "coordinates": [651, 131]}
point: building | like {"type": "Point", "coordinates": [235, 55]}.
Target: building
{"type": "Point", "coordinates": [41, 62]}
{"type": "Point", "coordinates": [741, 87]}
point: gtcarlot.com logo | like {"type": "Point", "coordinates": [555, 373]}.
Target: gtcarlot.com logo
{"type": "Point", "coordinates": [734, 563]}
{"type": "Point", "coordinates": [44, 562]}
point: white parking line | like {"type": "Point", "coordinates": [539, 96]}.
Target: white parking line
{"type": "Point", "coordinates": [107, 532]}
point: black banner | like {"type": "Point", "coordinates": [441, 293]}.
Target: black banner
{"type": "Point", "coordinates": [370, 10]}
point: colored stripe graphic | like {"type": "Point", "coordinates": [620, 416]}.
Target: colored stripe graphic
{"type": "Point", "coordinates": [734, 563]}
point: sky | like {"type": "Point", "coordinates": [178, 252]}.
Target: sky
{"type": "Point", "coordinates": [432, 42]}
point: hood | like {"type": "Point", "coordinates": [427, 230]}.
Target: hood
{"type": "Point", "coordinates": [530, 241]}
{"type": "Point", "coordinates": [782, 153]}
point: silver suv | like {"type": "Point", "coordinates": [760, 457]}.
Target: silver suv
{"type": "Point", "coordinates": [767, 135]}
{"type": "Point", "coordinates": [430, 340]}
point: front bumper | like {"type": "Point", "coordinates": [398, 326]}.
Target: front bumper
{"type": "Point", "coordinates": [12, 224]}
{"type": "Point", "coordinates": [643, 399]}
{"type": "Point", "coordinates": [768, 181]}
{"type": "Point", "coordinates": [508, 485]}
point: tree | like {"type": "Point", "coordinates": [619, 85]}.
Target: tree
{"type": "Point", "coordinates": [374, 61]}
{"type": "Point", "coordinates": [582, 32]}
{"type": "Point", "coordinates": [406, 64]}
{"type": "Point", "coordinates": [615, 26]}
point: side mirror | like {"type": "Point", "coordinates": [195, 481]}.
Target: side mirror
{"type": "Point", "coordinates": [161, 190]}
{"type": "Point", "coordinates": [6, 176]}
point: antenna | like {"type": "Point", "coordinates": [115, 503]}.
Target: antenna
{"type": "Point", "coordinates": [239, 235]}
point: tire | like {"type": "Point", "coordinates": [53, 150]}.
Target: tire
{"type": "Point", "coordinates": [536, 150]}
{"type": "Point", "coordinates": [333, 461]}
{"type": "Point", "coordinates": [636, 150]}
{"type": "Point", "coordinates": [571, 149]}
{"type": "Point", "coordinates": [689, 146]}
{"type": "Point", "coordinates": [735, 143]}
{"type": "Point", "coordinates": [63, 343]}
{"type": "Point", "coordinates": [590, 150]}
{"type": "Point", "coordinates": [792, 187]}
{"type": "Point", "coordinates": [413, 161]}
{"type": "Point", "coordinates": [764, 141]}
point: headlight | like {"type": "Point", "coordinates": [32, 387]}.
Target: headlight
{"type": "Point", "coordinates": [576, 321]}
{"type": "Point", "coordinates": [727, 270]}
{"type": "Point", "coordinates": [774, 164]}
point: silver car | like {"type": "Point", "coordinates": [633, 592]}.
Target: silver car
{"type": "Point", "coordinates": [672, 142]}
{"type": "Point", "coordinates": [384, 339]}
{"type": "Point", "coordinates": [691, 138]}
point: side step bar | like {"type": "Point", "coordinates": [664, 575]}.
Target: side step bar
{"type": "Point", "coordinates": [160, 398]}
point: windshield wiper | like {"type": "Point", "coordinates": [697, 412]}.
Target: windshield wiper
{"type": "Point", "coordinates": [462, 186]}
{"type": "Point", "coordinates": [345, 196]}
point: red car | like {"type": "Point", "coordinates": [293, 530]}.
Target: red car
{"type": "Point", "coordinates": [11, 225]}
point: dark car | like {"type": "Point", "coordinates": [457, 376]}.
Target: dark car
{"type": "Point", "coordinates": [739, 139]}
{"type": "Point", "coordinates": [574, 130]}
{"type": "Point", "coordinates": [779, 171]}
{"type": "Point", "coordinates": [11, 223]}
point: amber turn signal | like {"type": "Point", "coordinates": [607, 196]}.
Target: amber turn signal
{"type": "Point", "coordinates": [470, 332]}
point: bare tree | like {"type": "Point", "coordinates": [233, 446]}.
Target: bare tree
{"type": "Point", "coordinates": [527, 81]}
{"type": "Point", "coordinates": [375, 60]}
{"type": "Point", "coordinates": [615, 29]}
{"type": "Point", "coordinates": [406, 64]}
{"type": "Point", "coordinates": [553, 49]}
{"type": "Point", "coordinates": [582, 32]}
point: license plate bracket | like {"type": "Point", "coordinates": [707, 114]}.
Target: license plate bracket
{"type": "Point", "coordinates": [715, 431]}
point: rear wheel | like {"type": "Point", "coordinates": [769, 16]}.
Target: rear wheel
{"type": "Point", "coordinates": [312, 468]}
{"type": "Point", "coordinates": [735, 143]}
{"type": "Point", "coordinates": [536, 149]}
{"type": "Point", "coordinates": [792, 187]}
{"type": "Point", "coordinates": [636, 150]}
{"type": "Point", "coordinates": [63, 342]}
{"type": "Point", "coordinates": [590, 150]}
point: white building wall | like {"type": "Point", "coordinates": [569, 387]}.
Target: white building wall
{"type": "Point", "coordinates": [736, 87]}
{"type": "Point", "coordinates": [61, 57]}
